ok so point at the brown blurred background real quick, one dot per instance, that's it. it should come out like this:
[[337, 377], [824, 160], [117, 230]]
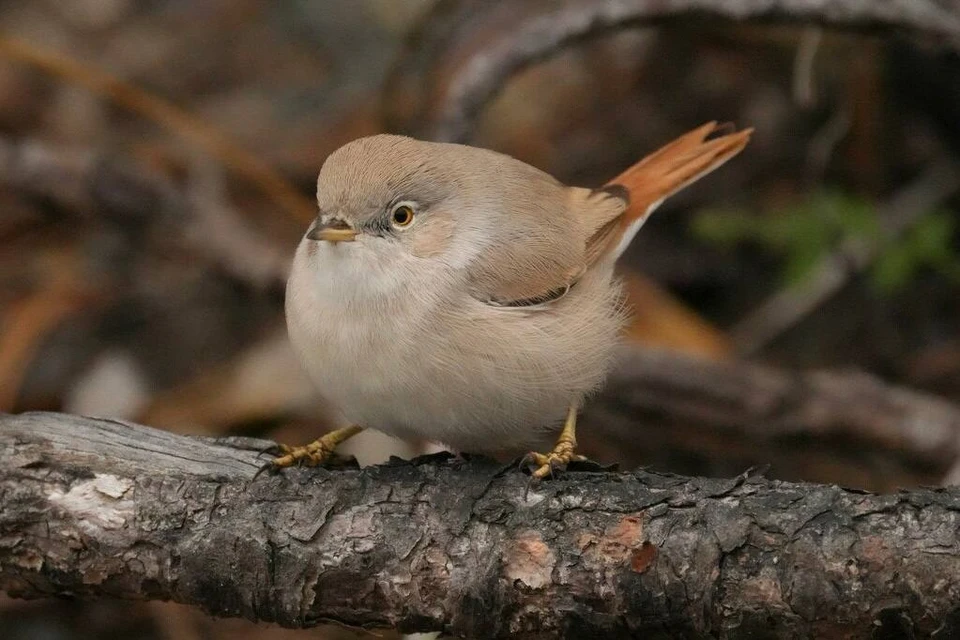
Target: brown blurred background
[[157, 162]]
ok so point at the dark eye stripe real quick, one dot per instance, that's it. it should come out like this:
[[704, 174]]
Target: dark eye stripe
[[378, 226]]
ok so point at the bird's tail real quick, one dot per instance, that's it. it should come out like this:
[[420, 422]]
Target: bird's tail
[[664, 172]]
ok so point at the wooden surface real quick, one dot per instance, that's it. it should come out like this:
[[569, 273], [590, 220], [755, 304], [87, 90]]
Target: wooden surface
[[97, 508]]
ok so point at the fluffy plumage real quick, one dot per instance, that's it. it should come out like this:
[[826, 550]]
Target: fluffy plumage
[[481, 322]]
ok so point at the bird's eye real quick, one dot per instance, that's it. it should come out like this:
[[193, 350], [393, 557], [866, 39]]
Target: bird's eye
[[402, 215]]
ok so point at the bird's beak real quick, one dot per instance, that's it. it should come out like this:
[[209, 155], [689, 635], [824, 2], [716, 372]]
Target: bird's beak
[[334, 230]]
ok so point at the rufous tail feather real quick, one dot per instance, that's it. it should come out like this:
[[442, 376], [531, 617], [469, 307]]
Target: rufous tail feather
[[661, 174]]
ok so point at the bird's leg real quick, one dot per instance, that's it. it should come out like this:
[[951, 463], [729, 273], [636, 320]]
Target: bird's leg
[[317, 452], [563, 452]]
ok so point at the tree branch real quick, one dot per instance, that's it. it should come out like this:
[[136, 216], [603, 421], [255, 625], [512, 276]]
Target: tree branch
[[106, 509], [790, 305], [465, 51], [663, 407], [145, 205]]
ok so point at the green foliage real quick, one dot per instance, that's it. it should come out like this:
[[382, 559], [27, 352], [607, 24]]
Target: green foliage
[[927, 245], [805, 233]]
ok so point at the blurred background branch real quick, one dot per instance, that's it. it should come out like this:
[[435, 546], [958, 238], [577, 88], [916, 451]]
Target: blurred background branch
[[164, 113], [465, 51], [788, 307]]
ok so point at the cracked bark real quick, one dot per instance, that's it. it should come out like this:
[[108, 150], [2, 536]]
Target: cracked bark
[[97, 508]]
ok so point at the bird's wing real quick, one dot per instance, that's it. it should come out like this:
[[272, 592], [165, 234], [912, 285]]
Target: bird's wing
[[557, 233], [543, 264], [597, 211], [530, 271], [536, 253], [657, 177]]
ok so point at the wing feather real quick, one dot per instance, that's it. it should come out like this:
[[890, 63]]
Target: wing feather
[[546, 256]]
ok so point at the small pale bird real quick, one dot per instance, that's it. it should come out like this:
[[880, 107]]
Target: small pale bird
[[459, 295]]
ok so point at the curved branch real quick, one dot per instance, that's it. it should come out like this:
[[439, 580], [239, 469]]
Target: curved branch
[[97, 508], [665, 408], [465, 51]]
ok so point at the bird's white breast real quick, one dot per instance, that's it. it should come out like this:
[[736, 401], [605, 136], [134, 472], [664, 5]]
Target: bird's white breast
[[397, 345]]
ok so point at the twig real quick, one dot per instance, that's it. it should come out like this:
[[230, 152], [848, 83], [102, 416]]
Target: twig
[[464, 52], [90, 182], [825, 141], [96, 508], [788, 307], [220, 228], [168, 115], [804, 89]]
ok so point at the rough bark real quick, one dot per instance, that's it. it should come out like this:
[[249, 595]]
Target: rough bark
[[465, 50], [96, 508]]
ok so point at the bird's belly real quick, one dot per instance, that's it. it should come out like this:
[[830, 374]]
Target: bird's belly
[[502, 394], [484, 380], [468, 405]]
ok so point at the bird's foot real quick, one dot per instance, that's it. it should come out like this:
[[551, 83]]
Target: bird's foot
[[542, 465], [316, 453]]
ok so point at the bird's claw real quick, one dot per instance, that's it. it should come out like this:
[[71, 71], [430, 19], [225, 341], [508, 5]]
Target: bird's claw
[[542, 465], [311, 455], [275, 449]]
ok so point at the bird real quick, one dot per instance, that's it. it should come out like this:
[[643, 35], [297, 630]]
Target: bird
[[455, 294]]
